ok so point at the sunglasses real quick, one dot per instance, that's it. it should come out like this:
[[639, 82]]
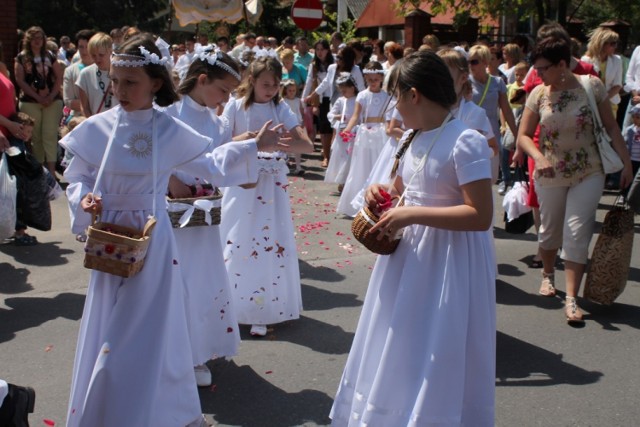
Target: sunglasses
[[474, 62], [339, 58], [543, 68]]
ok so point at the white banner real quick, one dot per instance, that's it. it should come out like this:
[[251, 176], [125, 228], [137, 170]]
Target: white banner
[[230, 11]]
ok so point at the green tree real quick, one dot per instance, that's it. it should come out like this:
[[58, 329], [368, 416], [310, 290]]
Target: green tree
[[60, 17]]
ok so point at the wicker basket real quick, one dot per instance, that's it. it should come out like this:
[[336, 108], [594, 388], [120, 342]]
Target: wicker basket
[[362, 223], [195, 209], [116, 249]]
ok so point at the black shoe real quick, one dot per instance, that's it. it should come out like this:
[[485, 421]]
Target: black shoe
[[17, 406]]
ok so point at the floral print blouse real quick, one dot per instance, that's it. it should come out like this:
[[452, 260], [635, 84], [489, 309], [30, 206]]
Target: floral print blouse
[[566, 132]]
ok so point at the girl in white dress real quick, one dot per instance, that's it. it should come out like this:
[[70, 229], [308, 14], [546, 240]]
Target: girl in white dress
[[381, 171], [468, 112], [424, 349], [370, 112], [339, 115], [257, 228], [290, 96], [211, 317], [133, 364]]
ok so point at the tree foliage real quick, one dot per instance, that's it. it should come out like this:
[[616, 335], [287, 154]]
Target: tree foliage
[[591, 12], [58, 17]]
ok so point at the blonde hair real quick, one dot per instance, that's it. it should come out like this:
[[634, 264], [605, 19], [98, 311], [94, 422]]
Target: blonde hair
[[286, 54], [481, 52], [264, 64], [598, 38], [432, 40], [457, 60], [521, 66], [514, 52], [100, 41], [454, 59], [287, 84]]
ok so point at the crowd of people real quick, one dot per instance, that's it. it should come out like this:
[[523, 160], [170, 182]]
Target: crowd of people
[[133, 124]]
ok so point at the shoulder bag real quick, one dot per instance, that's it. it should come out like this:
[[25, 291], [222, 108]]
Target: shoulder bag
[[611, 162]]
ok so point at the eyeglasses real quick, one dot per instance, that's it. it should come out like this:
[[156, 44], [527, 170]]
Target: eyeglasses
[[543, 68], [612, 43], [474, 61]]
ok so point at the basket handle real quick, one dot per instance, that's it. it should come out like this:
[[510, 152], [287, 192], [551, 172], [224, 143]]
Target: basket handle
[[95, 217], [148, 227]]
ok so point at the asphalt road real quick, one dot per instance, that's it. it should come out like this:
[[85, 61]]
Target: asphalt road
[[548, 374]]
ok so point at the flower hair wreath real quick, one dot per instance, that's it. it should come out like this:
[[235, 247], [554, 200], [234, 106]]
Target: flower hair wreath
[[365, 71], [214, 58], [344, 78], [145, 58]]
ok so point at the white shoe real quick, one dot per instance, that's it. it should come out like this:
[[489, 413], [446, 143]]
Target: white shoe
[[258, 330], [203, 375]]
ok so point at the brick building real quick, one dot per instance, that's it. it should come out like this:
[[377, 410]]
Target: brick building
[[8, 27]]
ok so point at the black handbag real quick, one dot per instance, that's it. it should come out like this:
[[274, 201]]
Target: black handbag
[[32, 200], [524, 222]]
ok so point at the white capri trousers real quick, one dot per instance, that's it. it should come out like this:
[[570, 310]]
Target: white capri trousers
[[567, 217]]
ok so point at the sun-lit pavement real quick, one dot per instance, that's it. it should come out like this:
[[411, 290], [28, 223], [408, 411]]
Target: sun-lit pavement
[[548, 374]]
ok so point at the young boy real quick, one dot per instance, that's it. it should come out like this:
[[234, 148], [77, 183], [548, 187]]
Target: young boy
[[21, 238], [632, 138], [27, 123]]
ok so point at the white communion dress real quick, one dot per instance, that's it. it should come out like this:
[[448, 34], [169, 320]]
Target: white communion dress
[[133, 364], [424, 349], [257, 228], [367, 147], [211, 316]]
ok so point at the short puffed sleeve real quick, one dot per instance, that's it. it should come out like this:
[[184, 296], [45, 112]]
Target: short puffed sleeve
[[598, 89], [472, 157], [533, 100]]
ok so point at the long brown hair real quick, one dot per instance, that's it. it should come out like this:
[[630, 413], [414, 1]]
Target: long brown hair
[[257, 67], [28, 38], [166, 95], [212, 72]]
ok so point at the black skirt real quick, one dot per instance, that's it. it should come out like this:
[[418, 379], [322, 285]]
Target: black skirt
[[324, 126]]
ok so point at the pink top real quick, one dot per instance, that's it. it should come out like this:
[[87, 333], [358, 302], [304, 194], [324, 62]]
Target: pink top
[[7, 104]]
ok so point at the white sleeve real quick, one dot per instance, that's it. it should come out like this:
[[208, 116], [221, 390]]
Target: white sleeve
[[633, 72], [286, 116], [230, 164], [68, 87], [307, 86], [358, 77], [617, 78], [325, 84], [81, 177], [336, 110], [472, 157]]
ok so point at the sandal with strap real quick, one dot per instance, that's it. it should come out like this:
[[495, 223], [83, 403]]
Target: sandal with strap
[[25, 240], [547, 286], [572, 311]]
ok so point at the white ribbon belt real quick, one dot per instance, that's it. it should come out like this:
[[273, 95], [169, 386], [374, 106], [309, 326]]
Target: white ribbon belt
[[201, 204]]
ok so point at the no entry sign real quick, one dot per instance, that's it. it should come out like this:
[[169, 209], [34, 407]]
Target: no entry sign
[[307, 14]]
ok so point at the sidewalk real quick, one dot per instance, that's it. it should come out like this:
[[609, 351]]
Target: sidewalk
[[548, 374]]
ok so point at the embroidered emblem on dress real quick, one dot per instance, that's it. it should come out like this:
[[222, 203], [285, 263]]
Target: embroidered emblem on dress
[[140, 145]]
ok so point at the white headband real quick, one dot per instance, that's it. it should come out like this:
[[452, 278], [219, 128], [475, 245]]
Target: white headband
[[129, 60], [345, 77], [373, 71], [214, 58]]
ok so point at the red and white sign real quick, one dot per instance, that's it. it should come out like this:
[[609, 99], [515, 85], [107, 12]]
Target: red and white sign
[[307, 14]]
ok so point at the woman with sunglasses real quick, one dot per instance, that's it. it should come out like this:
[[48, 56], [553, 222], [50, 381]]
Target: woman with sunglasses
[[345, 63], [567, 168], [601, 54], [490, 93]]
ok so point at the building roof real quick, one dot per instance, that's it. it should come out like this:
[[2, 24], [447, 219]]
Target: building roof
[[383, 13], [356, 7]]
